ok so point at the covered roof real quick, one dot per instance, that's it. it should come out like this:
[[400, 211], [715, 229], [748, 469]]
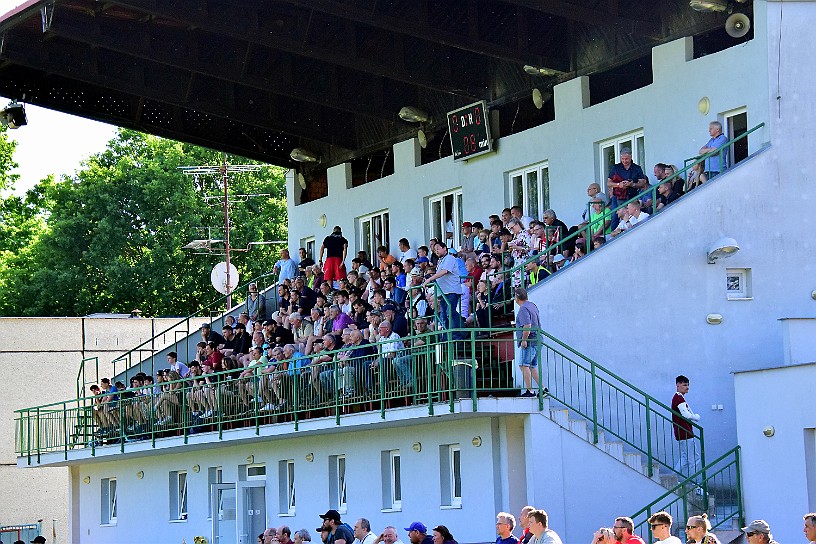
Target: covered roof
[[260, 77]]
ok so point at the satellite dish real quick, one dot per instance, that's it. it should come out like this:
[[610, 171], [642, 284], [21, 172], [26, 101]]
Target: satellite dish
[[218, 278], [737, 25], [301, 180], [422, 138]]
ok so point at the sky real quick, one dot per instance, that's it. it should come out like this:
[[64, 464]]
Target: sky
[[52, 142]]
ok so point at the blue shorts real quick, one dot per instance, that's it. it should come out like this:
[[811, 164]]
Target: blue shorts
[[528, 355]]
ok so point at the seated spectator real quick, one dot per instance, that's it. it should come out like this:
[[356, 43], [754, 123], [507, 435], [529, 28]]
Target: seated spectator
[[322, 367], [495, 235], [385, 259], [535, 272], [558, 262], [398, 271], [556, 230], [506, 215], [301, 330], [667, 195], [363, 256], [371, 332], [168, 402], [358, 268], [209, 335], [398, 322], [176, 365], [339, 320], [392, 292], [482, 242], [600, 219], [214, 359], [633, 216], [423, 263], [696, 176], [593, 191], [678, 183], [360, 313], [517, 213], [390, 346], [353, 364], [597, 242], [305, 260]]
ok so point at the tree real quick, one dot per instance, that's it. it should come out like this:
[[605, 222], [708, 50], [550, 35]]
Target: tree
[[114, 233]]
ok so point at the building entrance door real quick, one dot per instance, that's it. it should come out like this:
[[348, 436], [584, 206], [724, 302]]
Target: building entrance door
[[224, 527], [252, 509]]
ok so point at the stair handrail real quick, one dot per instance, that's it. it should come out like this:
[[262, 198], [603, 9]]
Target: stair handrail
[[698, 479], [585, 231], [81, 381]]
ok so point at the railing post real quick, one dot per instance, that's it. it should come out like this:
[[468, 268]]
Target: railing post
[[38, 436], [741, 513], [594, 402], [703, 480], [184, 420], [65, 429], [474, 362], [649, 469]]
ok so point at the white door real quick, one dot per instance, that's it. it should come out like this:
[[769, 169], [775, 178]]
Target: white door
[[224, 526], [252, 511]]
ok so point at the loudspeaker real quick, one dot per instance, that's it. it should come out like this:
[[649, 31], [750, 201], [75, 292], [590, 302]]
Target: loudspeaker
[[737, 25]]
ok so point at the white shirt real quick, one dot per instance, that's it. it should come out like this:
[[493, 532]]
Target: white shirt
[[394, 343], [409, 254], [670, 540], [369, 538]]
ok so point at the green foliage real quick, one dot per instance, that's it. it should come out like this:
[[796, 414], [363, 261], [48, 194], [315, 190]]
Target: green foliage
[[113, 234]]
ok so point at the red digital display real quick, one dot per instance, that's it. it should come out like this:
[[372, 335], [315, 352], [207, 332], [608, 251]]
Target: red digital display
[[469, 131]]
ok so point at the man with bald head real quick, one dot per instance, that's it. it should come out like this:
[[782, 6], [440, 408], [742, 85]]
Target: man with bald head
[[388, 536], [284, 534], [269, 535]]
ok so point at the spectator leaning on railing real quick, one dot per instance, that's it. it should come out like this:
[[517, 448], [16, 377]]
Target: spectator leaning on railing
[[713, 164]]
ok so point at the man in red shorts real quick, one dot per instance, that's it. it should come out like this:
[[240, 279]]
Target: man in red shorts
[[336, 247]]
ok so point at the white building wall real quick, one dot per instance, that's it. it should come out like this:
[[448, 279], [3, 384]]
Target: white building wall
[[779, 472], [666, 110], [546, 466]]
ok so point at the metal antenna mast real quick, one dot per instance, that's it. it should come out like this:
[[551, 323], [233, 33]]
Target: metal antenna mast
[[224, 169]]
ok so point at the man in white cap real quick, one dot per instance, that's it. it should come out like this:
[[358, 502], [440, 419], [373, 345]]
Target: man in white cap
[[759, 532]]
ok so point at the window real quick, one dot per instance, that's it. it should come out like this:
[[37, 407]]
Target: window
[[444, 213], [451, 475], [178, 495], [309, 245], [337, 483], [738, 284], [215, 475], [736, 124], [392, 480], [108, 501], [610, 151], [374, 233], [530, 189], [286, 488], [256, 472]]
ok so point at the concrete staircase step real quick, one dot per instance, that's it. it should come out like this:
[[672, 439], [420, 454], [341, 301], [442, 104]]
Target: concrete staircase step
[[615, 449], [634, 460], [655, 470], [560, 416], [579, 427], [669, 480]]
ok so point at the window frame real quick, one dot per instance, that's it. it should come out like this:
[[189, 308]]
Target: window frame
[[287, 489], [542, 182], [338, 492], [457, 214], [638, 147], [215, 476], [450, 476], [178, 494], [395, 470], [108, 499], [370, 246]]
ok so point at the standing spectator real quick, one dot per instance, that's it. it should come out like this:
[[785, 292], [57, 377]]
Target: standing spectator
[[405, 250], [417, 533], [255, 304], [660, 524], [718, 162], [286, 267], [517, 212], [505, 523], [683, 429], [305, 260], [301, 536], [362, 532], [284, 534], [556, 230], [593, 192], [521, 244], [538, 526], [698, 531], [336, 248], [338, 531], [524, 524], [624, 531], [468, 239], [385, 260], [810, 526], [622, 179], [528, 339], [269, 535], [759, 532], [447, 279]]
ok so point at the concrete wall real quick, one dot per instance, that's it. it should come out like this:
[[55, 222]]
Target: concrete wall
[[781, 398], [39, 361], [546, 466]]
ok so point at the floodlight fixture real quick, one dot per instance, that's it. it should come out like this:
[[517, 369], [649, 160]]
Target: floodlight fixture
[[725, 247], [709, 6], [300, 154], [413, 115], [13, 116]]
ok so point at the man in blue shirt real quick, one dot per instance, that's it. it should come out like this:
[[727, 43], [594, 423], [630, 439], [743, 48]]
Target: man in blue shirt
[[718, 162], [447, 280], [505, 523], [286, 267]]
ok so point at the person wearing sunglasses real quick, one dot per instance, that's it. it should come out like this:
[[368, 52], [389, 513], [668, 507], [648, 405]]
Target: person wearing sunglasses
[[698, 530], [660, 524], [759, 532]]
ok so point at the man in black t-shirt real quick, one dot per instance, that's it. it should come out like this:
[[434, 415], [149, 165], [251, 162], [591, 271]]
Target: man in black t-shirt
[[339, 533], [336, 248]]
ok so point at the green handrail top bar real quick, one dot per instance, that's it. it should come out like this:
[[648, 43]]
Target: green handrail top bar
[[653, 190], [677, 490], [182, 321]]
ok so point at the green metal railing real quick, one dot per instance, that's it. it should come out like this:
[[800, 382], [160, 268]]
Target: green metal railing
[[432, 368], [715, 489], [142, 358], [517, 274]]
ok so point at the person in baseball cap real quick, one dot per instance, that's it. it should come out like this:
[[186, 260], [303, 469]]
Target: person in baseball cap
[[339, 532], [38, 540], [759, 532], [417, 532]]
